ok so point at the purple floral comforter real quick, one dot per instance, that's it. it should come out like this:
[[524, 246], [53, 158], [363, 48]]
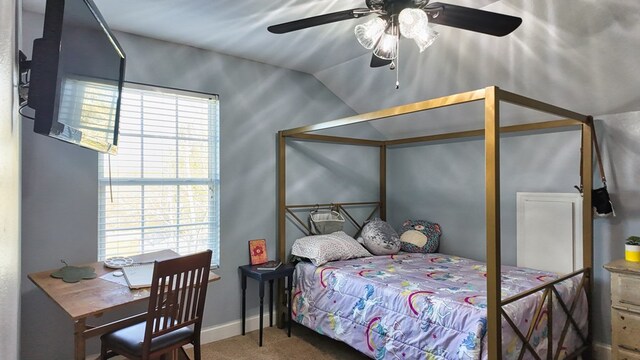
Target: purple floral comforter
[[425, 306]]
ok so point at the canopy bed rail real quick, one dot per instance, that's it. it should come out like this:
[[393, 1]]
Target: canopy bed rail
[[492, 97]]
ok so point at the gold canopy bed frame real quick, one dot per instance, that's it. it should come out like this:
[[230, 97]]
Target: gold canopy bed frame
[[492, 97]]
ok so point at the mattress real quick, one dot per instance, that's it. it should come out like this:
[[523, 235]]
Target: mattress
[[426, 306]]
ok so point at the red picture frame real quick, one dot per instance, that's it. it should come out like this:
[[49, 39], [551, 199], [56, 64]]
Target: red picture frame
[[258, 251]]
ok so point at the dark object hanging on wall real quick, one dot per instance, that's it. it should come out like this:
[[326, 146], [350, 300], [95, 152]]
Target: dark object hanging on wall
[[602, 206], [600, 200], [75, 78]]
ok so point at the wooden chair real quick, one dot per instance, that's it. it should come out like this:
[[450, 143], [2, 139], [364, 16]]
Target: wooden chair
[[174, 316]]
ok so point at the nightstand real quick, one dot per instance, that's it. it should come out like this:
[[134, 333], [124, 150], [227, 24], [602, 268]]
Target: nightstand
[[284, 270], [625, 309]]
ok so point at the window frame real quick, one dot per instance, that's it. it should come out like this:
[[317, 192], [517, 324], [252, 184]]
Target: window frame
[[212, 181]]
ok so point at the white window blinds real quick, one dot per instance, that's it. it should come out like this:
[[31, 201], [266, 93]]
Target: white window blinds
[[165, 178]]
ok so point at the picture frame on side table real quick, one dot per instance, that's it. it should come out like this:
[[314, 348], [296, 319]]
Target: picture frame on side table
[[258, 251]]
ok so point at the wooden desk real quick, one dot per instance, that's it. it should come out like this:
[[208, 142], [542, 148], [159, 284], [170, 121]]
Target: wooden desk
[[92, 298]]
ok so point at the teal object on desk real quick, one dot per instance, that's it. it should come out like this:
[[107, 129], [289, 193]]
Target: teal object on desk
[[73, 274]]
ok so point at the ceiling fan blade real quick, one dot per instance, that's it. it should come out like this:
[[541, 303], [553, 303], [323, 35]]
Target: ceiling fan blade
[[465, 18], [318, 20], [378, 62]]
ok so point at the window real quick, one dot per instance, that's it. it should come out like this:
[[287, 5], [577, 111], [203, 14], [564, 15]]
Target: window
[[161, 191]]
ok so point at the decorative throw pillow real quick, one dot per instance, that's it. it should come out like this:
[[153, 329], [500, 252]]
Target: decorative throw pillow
[[420, 236], [321, 249], [380, 238]]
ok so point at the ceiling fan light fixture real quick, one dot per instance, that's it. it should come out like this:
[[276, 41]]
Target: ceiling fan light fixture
[[412, 22], [425, 38], [387, 47], [370, 32]]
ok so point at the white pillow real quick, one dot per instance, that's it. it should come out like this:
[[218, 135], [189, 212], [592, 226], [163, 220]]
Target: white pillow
[[321, 249]]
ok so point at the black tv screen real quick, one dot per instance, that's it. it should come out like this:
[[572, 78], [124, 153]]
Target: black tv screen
[[77, 72]]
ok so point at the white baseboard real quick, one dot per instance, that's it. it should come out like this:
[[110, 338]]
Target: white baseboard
[[233, 328]]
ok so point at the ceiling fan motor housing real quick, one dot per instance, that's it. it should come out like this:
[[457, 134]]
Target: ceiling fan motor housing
[[393, 7]]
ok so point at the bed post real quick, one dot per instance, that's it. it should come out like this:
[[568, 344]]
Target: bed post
[[281, 244], [492, 214], [587, 216], [383, 182]]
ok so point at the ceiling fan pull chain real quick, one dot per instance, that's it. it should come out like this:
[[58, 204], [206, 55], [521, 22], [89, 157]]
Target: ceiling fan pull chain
[[396, 62]]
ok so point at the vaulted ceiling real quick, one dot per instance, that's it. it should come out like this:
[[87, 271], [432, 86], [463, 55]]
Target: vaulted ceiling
[[578, 54]]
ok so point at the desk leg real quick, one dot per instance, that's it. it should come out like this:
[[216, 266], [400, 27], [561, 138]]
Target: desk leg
[[261, 307], [244, 300], [289, 295], [270, 303], [78, 338]]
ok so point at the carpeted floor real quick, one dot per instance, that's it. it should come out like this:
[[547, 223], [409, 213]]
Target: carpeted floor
[[303, 344]]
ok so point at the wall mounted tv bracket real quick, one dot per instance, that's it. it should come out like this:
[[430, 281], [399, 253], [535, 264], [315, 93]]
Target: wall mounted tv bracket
[[24, 67]]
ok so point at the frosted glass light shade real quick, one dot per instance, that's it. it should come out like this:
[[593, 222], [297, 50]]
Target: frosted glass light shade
[[369, 32], [425, 38], [387, 47], [412, 22]]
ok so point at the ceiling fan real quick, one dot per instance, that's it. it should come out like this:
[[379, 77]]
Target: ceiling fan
[[409, 18]]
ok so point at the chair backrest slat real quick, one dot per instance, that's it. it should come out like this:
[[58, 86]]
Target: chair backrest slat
[[191, 297], [186, 279]]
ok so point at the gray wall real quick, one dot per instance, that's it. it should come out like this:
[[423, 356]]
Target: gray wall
[[9, 183], [620, 138], [444, 183], [60, 180]]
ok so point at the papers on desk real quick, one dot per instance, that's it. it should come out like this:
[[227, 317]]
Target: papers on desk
[[138, 276]]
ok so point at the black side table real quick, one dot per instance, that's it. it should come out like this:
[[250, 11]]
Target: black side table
[[284, 270]]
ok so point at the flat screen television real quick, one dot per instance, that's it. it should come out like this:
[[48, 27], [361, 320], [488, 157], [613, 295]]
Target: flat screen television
[[77, 72]]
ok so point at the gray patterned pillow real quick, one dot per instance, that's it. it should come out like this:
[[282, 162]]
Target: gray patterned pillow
[[380, 238], [321, 249]]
